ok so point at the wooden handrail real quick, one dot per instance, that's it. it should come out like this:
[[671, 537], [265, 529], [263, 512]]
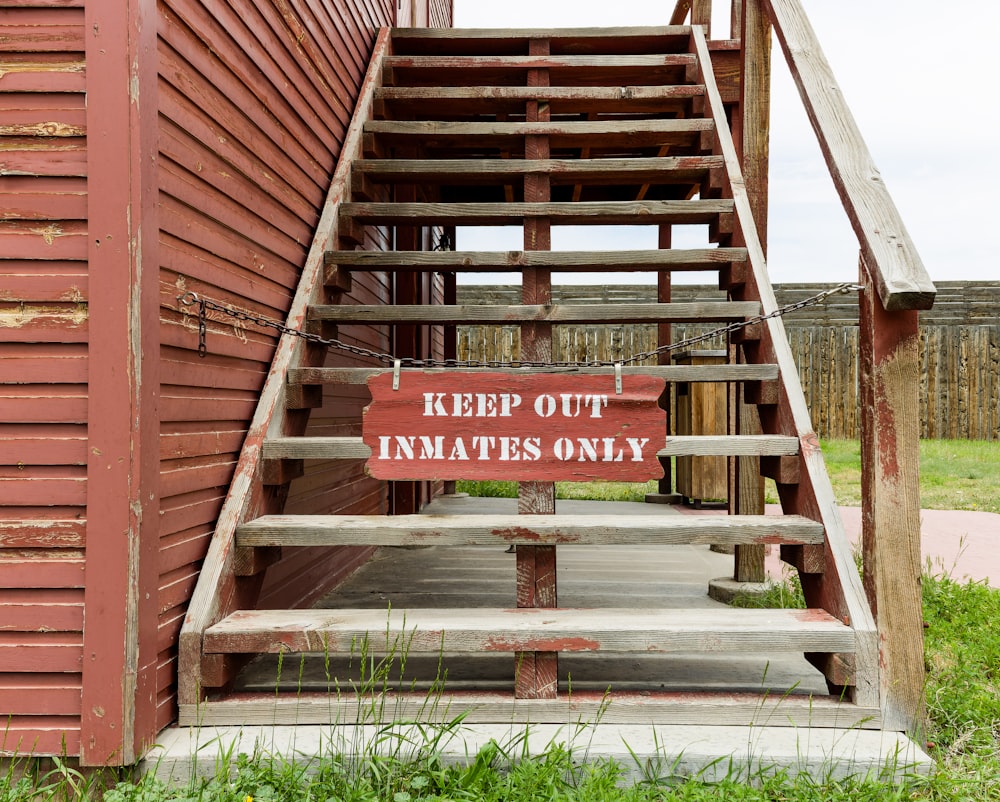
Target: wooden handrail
[[680, 12], [896, 268], [851, 603]]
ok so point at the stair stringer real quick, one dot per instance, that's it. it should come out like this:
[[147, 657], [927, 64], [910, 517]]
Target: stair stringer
[[231, 577], [838, 588]]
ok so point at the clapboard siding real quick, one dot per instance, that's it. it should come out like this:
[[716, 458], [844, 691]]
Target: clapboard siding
[[255, 99], [43, 372], [959, 345]]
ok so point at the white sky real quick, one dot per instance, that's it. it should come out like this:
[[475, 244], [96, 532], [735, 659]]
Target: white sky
[[919, 78]]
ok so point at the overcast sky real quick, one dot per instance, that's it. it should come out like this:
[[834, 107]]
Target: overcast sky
[[919, 77]]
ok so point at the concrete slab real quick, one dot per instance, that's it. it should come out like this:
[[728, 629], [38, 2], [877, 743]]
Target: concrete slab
[[664, 751]]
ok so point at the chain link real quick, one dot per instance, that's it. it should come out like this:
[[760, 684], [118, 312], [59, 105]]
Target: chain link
[[204, 305]]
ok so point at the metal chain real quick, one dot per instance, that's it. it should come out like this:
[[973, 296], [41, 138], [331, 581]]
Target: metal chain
[[191, 299]]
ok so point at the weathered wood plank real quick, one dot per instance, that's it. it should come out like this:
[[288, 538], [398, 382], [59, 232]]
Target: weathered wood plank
[[899, 274], [474, 37], [890, 499], [660, 170], [556, 261], [607, 63], [463, 100], [591, 313], [671, 373], [453, 530], [725, 445], [613, 630], [478, 707], [583, 213]]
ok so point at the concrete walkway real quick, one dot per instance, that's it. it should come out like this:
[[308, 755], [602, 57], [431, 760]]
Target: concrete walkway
[[961, 544]]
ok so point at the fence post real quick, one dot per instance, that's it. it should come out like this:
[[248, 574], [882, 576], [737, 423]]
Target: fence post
[[890, 501]]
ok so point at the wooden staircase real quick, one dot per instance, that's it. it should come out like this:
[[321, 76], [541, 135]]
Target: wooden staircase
[[536, 129]]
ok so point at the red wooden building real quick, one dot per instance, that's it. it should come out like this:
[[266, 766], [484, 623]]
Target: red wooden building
[[152, 148]]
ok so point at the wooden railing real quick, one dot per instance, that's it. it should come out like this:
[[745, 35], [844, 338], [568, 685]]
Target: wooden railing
[[896, 285], [226, 579]]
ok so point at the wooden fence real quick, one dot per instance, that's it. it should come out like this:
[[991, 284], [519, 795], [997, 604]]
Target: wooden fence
[[960, 349]]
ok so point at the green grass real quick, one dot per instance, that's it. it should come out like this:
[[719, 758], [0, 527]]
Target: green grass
[[954, 474]]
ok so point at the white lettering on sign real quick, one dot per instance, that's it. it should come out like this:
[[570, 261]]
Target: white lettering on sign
[[471, 405], [530, 427]]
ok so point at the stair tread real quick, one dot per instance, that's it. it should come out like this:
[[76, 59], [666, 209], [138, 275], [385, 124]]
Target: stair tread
[[628, 707], [574, 261], [579, 213], [699, 311], [671, 373], [687, 445], [595, 61], [426, 101], [463, 128], [397, 530], [560, 171], [469, 630]]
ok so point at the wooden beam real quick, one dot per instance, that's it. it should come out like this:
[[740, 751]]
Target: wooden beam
[[889, 360], [671, 373], [752, 130], [701, 311], [897, 270], [536, 673], [119, 686]]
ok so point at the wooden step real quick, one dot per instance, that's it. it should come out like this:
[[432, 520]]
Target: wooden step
[[427, 102], [464, 631], [671, 373], [763, 445], [563, 70], [556, 261], [665, 170], [621, 39], [583, 213], [646, 707], [465, 314], [532, 530], [561, 134]]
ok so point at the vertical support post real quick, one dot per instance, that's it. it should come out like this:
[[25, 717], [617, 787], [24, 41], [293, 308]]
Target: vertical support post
[[701, 14], [752, 130], [405, 497], [664, 334], [120, 599], [537, 673], [450, 345], [890, 501]]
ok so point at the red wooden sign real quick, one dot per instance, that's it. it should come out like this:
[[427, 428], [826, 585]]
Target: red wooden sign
[[535, 427]]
